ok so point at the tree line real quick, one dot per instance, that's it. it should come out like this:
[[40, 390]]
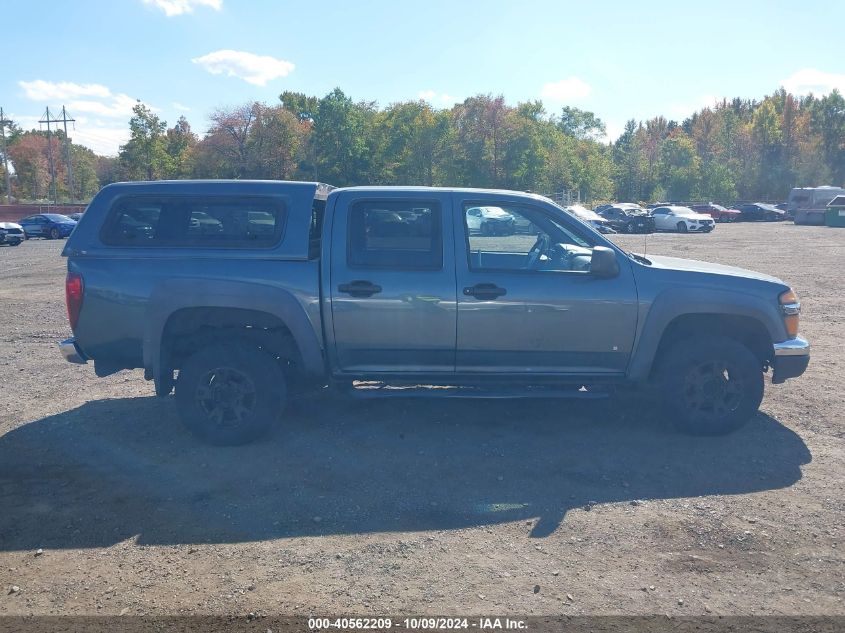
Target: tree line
[[734, 149]]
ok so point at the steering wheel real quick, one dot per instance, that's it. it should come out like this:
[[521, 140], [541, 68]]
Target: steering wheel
[[540, 247]]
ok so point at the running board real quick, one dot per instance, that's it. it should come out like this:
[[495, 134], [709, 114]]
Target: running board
[[367, 392]]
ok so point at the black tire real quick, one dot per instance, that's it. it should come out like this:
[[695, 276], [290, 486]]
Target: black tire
[[54, 233], [230, 394], [710, 386], [682, 227], [485, 228]]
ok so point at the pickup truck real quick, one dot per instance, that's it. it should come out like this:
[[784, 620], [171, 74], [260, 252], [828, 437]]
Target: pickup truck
[[241, 294]]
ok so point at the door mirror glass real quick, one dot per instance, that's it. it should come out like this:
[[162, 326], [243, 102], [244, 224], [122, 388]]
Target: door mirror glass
[[603, 262]]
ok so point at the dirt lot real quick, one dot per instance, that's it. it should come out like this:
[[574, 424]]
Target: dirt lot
[[422, 507]]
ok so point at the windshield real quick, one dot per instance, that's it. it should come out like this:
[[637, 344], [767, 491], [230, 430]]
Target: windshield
[[57, 217]]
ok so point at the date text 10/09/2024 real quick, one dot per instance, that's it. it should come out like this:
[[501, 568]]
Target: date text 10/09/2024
[[416, 624]]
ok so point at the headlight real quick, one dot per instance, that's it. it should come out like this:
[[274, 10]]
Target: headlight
[[790, 307]]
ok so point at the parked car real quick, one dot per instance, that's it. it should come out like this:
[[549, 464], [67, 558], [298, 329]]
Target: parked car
[[490, 221], [237, 323], [761, 212], [626, 217], [75, 216], [682, 220], [592, 218], [13, 233], [51, 226], [717, 212]]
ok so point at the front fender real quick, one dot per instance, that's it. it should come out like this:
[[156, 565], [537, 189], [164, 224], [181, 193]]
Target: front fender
[[675, 302]]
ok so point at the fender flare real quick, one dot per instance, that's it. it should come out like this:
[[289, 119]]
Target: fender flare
[[676, 302], [178, 294]]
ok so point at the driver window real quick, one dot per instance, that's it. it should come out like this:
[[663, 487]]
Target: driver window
[[517, 238]]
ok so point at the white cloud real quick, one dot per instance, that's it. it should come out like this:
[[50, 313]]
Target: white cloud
[[180, 7], [182, 108], [435, 98], [100, 101], [252, 68], [40, 90], [569, 89], [818, 82], [118, 106]]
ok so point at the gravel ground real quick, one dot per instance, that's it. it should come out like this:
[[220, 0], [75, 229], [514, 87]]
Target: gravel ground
[[108, 506]]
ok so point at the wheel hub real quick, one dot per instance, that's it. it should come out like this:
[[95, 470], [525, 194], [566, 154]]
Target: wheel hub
[[713, 389], [226, 395]]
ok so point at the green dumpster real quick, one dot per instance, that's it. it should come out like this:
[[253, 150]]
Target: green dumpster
[[835, 214]]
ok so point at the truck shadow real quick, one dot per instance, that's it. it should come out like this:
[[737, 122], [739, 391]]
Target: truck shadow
[[117, 469]]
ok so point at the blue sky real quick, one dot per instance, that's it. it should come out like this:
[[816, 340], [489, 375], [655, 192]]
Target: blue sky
[[619, 59]]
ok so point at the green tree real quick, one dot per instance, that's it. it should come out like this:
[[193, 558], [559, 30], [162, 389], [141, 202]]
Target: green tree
[[680, 166], [180, 142], [145, 154], [340, 136], [581, 124]]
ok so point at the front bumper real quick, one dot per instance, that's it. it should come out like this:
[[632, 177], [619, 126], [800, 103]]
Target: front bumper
[[791, 359], [70, 350], [702, 228]]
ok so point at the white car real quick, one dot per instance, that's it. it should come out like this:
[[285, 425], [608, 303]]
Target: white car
[[490, 221], [11, 233], [682, 220], [590, 217]]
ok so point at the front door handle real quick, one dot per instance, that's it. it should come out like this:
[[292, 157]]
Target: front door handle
[[485, 291], [359, 288]]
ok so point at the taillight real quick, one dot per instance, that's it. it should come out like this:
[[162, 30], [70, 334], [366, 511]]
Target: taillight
[[791, 308], [73, 297]]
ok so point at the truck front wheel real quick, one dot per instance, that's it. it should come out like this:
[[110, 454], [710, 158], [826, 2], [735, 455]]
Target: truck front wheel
[[710, 386], [230, 394]]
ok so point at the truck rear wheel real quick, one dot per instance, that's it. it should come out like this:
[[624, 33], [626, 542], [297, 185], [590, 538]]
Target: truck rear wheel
[[710, 386], [230, 394]]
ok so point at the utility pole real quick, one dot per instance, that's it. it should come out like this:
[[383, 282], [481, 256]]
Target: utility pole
[[48, 120], [68, 156], [3, 123]]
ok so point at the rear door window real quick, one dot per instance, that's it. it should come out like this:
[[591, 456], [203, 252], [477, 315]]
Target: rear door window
[[395, 234], [195, 221]]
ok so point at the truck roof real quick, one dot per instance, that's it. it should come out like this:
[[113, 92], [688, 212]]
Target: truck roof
[[410, 188], [321, 190]]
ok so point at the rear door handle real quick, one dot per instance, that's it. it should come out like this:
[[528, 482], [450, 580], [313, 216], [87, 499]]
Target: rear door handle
[[485, 291], [359, 288]]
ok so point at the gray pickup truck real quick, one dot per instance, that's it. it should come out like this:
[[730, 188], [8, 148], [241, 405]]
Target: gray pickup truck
[[242, 294]]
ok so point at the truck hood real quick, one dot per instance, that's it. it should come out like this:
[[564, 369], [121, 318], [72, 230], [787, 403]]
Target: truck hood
[[691, 265]]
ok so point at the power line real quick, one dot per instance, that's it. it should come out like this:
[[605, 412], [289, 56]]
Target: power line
[[3, 123]]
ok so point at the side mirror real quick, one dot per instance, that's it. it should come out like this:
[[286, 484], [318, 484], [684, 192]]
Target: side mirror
[[603, 262]]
